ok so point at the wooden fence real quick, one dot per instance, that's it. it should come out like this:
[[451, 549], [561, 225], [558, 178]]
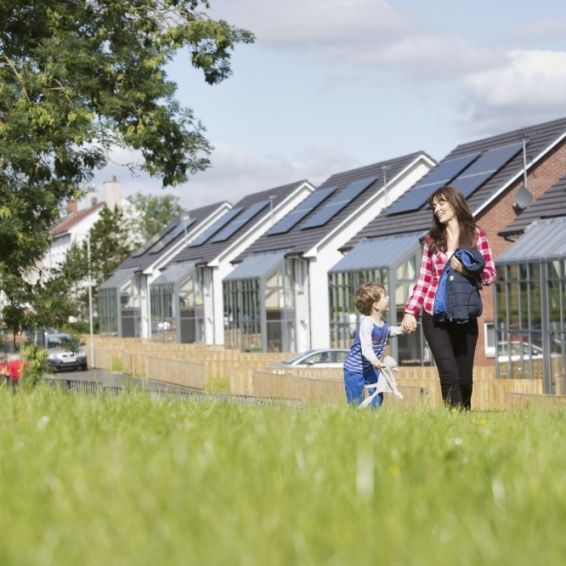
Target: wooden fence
[[526, 400], [194, 365], [420, 386]]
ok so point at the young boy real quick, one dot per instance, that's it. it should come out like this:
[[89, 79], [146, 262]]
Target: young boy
[[362, 365]]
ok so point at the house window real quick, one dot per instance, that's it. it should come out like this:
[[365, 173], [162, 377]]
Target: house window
[[489, 339]]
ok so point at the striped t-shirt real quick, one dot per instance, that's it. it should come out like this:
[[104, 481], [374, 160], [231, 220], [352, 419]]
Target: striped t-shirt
[[356, 362]]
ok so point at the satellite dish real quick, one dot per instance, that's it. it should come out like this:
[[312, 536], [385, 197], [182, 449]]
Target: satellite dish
[[523, 198]]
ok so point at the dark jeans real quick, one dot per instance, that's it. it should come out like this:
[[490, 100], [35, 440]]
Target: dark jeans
[[453, 347]]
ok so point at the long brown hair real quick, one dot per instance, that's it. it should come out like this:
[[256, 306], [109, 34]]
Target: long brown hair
[[437, 235]]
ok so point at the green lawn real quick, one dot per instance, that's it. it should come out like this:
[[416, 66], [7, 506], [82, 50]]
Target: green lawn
[[133, 480]]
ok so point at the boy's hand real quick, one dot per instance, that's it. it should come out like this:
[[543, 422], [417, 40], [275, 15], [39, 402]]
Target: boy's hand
[[409, 323]]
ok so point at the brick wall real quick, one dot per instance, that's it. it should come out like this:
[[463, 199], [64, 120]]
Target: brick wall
[[500, 213]]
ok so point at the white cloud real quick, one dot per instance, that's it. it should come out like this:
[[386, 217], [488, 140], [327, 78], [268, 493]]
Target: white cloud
[[436, 57], [302, 23], [530, 88], [486, 88], [367, 35], [234, 174], [496, 88]]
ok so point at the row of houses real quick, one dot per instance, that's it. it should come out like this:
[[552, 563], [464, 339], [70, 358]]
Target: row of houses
[[277, 270]]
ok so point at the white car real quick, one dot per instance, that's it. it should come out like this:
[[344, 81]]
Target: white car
[[517, 351], [321, 358], [520, 352], [64, 352]]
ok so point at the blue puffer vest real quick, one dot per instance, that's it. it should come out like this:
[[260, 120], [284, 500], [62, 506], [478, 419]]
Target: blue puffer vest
[[457, 297]]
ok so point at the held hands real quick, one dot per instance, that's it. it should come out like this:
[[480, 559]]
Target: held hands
[[409, 323], [387, 363]]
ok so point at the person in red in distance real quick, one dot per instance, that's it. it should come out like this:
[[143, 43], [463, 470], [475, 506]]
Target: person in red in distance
[[453, 344], [4, 368], [14, 368]]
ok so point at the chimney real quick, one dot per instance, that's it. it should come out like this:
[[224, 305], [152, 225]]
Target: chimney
[[111, 191], [72, 206], [90, 196]]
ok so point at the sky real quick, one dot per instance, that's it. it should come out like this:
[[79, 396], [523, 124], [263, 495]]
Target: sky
[[330, 85]]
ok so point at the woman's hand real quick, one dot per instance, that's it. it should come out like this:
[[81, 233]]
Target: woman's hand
[[458, 266], [409, 323]]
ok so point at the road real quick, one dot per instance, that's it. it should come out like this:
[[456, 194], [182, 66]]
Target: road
[[102, 381], [98, 380]]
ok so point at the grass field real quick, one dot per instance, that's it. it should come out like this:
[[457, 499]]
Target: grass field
[[90, 480]]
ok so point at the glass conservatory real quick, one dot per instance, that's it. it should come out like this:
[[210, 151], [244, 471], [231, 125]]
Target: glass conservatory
[[259, 307], [531, 306], [119, 304], [177, 307], [391, 261]]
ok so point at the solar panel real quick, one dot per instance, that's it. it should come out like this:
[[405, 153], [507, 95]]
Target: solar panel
[[238, 222], [440, 176], [339, 202], [298, 213], [153, 240], [218, 225], [176, 232], [485, 167]]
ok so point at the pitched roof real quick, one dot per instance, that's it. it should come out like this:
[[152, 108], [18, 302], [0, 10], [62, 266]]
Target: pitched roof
[[543, 240], [541, 138], [74, 218], [209, 250], [256, 266], [550, 204], [145, 259], [385, 252], [298, 240]]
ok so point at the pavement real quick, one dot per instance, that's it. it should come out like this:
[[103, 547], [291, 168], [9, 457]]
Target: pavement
[[97, 380], [101, 381]]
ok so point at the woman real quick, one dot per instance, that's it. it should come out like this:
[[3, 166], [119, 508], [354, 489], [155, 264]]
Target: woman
[[453, 345]]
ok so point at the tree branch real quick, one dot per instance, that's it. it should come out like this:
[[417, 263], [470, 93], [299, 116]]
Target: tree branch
[[18, 76]]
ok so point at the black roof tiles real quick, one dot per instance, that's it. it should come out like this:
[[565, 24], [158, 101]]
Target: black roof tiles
[[298, 241], [210, 250], [146, 259], [550, 204], [539, 139]]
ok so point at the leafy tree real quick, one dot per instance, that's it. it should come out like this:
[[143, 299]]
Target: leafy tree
[[155, 213], [79, 77], [55, 296], [111, 244], [53, 302], [62, 294], [51, 299], [17, 313]]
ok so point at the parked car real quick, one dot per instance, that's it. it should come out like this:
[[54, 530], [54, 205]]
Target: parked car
[[320, 358], [64, 351], [517, 351]]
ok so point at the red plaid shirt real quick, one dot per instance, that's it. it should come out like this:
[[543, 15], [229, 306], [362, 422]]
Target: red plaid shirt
[[432, 265]]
